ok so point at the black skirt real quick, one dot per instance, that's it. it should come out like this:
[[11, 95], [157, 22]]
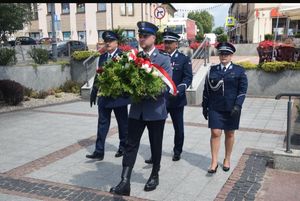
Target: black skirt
[[223, 120]]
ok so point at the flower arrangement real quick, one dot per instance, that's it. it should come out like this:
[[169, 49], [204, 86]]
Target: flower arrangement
[[194, 45], [132, 74]]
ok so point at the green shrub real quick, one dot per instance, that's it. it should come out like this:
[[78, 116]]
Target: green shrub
[[222, 38], [297, 35], [39, 95], [82, 55], [12, 92], [276, 66], [28, 91], [159, 38], [247, 65], [39, 55], [199, 37], [71, 86], [7, 56], [269, 37]]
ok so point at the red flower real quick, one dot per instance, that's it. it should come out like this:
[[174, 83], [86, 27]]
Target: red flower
[[139, 61], [160, 46], [100, 70], [194, 45], [125, 48], [266, 43]]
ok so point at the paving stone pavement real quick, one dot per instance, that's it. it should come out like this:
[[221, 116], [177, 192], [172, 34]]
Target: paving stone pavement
[[48, 145]]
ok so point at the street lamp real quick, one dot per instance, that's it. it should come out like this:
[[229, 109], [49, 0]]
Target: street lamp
[[54, 44]]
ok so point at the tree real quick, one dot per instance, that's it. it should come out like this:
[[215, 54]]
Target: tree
[[13, 17], [218, 30], [120, 32], [203, 19]]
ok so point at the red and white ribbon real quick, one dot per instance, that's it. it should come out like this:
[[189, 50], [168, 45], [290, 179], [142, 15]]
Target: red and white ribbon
[[155, 69]]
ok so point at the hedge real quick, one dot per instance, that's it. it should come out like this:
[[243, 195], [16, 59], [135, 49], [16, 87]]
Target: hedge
[[274, 66], [82, 55]]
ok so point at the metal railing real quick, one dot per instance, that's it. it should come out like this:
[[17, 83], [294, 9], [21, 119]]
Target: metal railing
[[202, 51], [86, 69], [289, 116]]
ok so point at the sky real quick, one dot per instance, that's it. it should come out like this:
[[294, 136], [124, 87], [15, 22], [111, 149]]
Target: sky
[[220, 12]]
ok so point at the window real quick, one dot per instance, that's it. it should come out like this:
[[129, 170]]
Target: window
[[34, 10], [129, 33], [49, 8], [66, 35], [81, 36], [130, 8], [80, 8], [100, 32], [123, 9], [101, 7], [65, 8], [34, 35], [50, 34]]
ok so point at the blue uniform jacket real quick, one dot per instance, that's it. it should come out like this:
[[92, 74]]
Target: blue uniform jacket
[[231, 92], [109, 102], [182, 77], [150, 109]]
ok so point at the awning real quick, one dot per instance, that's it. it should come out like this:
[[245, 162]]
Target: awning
[[292, 12]]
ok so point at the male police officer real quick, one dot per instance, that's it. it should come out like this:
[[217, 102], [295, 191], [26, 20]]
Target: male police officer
[[148, 113], [107, 104], [223, 96], [182, 77]]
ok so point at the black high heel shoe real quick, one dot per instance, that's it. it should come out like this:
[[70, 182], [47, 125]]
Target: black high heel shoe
[[225, 169], [212, 171]]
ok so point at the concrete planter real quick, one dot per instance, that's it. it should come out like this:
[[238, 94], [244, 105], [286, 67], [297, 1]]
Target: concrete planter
[[78, 70], [43, 77], [262, 83]]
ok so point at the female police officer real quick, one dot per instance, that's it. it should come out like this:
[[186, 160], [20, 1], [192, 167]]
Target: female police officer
[[224, 93]]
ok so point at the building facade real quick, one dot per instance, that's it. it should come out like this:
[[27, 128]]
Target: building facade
[[87, 21], [254, 20]]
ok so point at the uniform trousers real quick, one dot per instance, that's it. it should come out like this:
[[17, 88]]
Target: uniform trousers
[[177, 120], [104, 116], [136, 128]]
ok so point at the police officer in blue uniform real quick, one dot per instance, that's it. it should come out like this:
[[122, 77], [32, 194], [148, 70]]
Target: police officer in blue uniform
[[182, 77], [148, 113], [224, 92], [107, 104]]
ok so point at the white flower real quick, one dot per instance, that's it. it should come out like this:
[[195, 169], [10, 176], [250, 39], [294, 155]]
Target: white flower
[[155, 73]]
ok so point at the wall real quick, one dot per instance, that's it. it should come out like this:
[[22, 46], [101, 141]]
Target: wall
[[78, 70], [261, 83], [44, 77]]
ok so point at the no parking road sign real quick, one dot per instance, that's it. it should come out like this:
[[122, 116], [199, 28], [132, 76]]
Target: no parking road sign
[[159, 12]]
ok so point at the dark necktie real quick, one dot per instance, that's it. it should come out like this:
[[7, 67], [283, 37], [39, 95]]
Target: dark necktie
[[224, 69]]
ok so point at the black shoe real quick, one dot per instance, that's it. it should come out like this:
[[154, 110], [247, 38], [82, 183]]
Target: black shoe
[[212, 171], [119, 153], [123, 188], [95, 155], [176, 157], [152, 182], [226, 169], [149, 161]]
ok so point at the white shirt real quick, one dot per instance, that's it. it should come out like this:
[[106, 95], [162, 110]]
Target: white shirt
[[173, 53], [150, 52], [110, 55], [226, 67]]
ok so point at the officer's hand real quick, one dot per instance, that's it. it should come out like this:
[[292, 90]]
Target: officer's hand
[[235, 110], [93, 97], [205, 113], [181, 90]]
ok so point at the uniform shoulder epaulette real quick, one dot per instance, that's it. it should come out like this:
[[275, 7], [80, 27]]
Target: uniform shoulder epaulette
[[163, 52]]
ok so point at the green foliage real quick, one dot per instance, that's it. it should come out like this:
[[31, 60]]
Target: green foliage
[[126, 78], [269, 37], [70, 86], [82, 55], [159, 37], [297, 35], [63, 64], [247, 65], [218, 30], [7, 56], [120, 32], [13, 17], [203, 18], [222, 38], [39, 55], [199, 37], [39, 95], [12, 92]]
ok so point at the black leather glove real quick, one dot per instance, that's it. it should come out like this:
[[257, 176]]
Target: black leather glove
[[93, 96], [205, 113], [235, 111]]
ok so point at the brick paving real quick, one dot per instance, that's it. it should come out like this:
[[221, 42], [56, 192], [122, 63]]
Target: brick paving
[[67, 169]]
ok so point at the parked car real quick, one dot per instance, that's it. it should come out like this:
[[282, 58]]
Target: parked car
[[22, 40], [132, 42], [63, 48], [47, 41]]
